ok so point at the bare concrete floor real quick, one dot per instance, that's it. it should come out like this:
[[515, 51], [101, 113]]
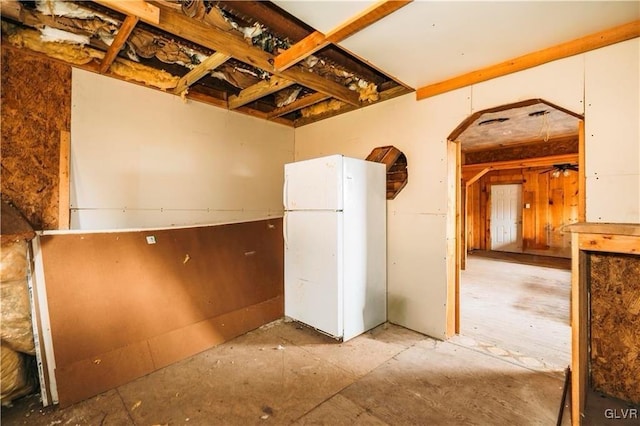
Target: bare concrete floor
[[284, 373]]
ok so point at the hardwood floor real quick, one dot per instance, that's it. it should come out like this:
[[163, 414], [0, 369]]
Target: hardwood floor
[[519, 312], [526, 259]]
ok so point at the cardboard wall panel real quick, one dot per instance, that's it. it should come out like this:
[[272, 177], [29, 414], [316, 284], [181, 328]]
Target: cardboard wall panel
[[120, 307]]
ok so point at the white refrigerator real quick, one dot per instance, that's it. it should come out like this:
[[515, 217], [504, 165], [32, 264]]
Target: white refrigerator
[[335, 262]]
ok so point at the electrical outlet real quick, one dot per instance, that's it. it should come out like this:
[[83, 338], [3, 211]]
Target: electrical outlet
[[151, 239]]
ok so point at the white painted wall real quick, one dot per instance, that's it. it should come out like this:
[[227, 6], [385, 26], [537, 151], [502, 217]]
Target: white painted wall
[[141, 158], [612, 133], [607, 78], [416, 219]]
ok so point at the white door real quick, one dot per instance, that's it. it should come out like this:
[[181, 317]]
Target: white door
[[313, 269], [314, 184], [506, 217]]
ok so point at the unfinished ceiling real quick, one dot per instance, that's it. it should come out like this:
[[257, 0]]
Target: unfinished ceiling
[[527, 122], [287, 61], [229, 54]]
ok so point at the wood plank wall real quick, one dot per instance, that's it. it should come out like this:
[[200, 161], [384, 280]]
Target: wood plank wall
[[553, 204], [121, 308]]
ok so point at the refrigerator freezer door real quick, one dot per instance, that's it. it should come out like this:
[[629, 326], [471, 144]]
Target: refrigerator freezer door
[[365, 273], [314, 184], [313, 269]]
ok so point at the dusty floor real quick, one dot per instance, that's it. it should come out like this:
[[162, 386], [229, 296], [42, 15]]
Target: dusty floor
[[284, 373], [505, 369], [517, 311]]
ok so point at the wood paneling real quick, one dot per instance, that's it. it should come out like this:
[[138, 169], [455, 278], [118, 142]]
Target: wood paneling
[[530, 150], [553, 204], [120, 307]]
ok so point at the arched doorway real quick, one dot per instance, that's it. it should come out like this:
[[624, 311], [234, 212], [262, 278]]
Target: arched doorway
[[516, 176]]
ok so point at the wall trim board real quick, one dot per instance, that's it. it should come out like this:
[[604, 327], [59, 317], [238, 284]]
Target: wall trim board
[[139, 306], [48, 384], [152, 229]]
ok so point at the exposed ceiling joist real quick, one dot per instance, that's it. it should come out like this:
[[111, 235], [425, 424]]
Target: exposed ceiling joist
[[560, 51], [120, 39], [212, 62], [210, 100], [365, 18], [11, 8], [180, 43], [298, 104], [384, 96], [140, 8], [259, 90], [305, 47], [232, 45], [297, 32], [316, 40]]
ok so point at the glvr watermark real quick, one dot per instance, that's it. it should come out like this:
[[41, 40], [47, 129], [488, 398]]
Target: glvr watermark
[[621, 413]]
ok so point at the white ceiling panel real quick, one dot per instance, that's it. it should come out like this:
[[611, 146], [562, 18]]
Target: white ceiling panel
[[429, 41], [324, 15]]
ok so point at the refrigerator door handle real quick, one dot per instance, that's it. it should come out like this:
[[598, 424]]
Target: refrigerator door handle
[[284, 192], [284, 230]]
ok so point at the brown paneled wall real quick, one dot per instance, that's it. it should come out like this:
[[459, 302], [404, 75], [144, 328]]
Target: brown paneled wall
[[121, 308], [553, 204]]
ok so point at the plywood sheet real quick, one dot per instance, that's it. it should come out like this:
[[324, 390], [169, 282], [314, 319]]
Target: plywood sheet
[[121, 307], [36, 107], [615, 321], [14, 226]]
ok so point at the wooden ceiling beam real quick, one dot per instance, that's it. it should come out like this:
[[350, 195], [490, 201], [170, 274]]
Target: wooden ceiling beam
[[305, 47], [521, 164], [259, 90], [316, 40], [560, 51], [298, 104], [212, 62], [475, 176], [221, 41], [286, 27], [120, 39], [273, 18], [367, 17], [140, 8], [384, 96], [11, 9], [210, 100]]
